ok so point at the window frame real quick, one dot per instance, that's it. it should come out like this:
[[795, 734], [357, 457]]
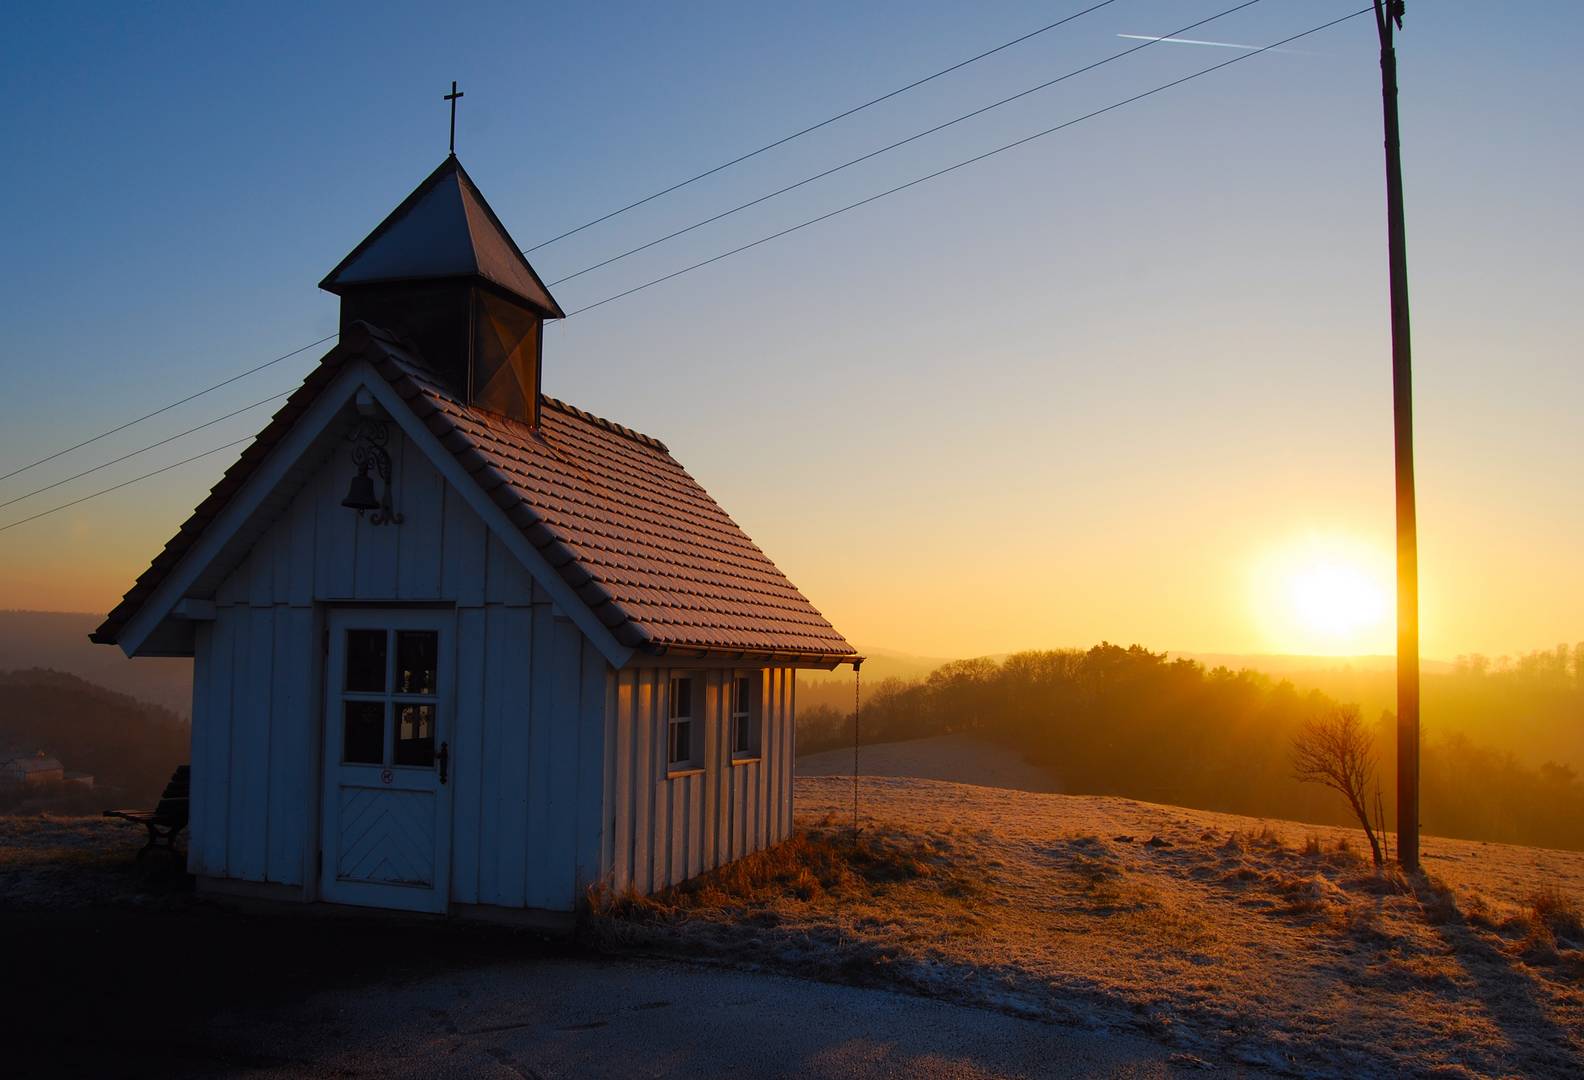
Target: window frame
[[750, 718], [693, 763], [389, 698]]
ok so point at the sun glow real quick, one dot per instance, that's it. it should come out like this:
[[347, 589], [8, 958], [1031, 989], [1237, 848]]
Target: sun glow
[[1325, 596]]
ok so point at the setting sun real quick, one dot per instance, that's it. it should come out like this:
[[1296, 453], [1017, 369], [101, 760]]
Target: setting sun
[[1336, 599], [1325, 595]]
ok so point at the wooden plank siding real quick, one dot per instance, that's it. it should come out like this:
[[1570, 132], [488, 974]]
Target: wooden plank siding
[[667, 828], [558, 767], [528, 745]]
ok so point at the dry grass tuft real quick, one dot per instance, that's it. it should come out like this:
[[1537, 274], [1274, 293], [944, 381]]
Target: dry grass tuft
[[1361, 922], [1538, 932], [1265, 837], [817, 861], [1094, 871], [1311, 895], [1560, 912], [1539, 945], [1438, 902], [1386, 880]]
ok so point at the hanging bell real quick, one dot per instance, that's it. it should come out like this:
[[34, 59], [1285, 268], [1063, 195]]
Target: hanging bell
[[360, 496]]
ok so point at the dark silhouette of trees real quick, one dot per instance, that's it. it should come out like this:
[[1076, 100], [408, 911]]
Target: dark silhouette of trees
[[129, 747], [1127, 721]]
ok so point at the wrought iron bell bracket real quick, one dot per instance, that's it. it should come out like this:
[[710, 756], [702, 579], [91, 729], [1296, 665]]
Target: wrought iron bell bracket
[[369, 438]]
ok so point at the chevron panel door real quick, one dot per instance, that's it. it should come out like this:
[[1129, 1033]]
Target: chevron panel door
[[386, 829]]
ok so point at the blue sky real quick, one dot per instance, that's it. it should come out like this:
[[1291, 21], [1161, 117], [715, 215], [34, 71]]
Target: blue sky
[[1071, 392]]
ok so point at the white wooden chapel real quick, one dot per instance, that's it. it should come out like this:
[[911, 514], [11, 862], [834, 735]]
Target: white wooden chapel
[[459, 645]]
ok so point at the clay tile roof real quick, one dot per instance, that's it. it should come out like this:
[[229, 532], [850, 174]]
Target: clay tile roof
[[651, 553]]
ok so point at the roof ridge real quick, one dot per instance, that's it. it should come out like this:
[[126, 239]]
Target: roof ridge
[[651, 566], [608, 425]]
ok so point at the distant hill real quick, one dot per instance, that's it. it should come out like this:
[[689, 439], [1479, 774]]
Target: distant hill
[[58, 640], [129, 746], [1368, 680], [835, 688], [1289, 664]]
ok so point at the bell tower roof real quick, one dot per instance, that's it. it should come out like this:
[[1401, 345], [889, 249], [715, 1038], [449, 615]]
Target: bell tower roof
[[444, 229]]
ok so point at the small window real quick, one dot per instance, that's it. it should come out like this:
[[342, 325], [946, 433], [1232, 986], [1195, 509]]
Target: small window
[[679, 724], [745, 717]]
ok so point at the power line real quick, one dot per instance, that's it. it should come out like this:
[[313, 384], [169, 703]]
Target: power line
[[961, 164], [815, 127], [167, 408], [125, 483], [724, 255], [142, 449], [614, 213], [900, 142]]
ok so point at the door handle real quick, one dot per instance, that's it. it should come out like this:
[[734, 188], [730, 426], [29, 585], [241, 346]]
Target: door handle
[[445, 759]]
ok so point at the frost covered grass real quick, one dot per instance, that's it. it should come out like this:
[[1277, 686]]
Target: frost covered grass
[[1560, 912], [50, 861], [1234, 940], [819, 860], [1231, 940]]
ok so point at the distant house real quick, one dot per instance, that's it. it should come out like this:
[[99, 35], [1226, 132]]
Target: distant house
[[79, 779], [459, 645], [36, 768]]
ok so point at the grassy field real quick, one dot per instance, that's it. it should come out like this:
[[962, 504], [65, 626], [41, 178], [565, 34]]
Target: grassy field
[[1231, 939]]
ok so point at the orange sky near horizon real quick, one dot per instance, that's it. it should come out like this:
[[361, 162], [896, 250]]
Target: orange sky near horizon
[[1130, 382], [1216, 590]]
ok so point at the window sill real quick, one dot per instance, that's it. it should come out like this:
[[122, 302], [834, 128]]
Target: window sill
[[745, 759], [678, 774]]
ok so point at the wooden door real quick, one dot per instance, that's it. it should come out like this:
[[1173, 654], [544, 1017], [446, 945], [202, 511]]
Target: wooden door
[[386, 821]]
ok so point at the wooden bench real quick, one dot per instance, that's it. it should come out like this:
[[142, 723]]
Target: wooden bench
[[167, 819]]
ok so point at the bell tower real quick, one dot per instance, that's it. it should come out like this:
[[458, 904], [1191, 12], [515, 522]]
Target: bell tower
[[443, 272]]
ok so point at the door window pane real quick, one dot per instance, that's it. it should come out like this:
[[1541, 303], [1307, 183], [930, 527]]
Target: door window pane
[[416, 654], [415, 732], [365, 661], [363, 733]]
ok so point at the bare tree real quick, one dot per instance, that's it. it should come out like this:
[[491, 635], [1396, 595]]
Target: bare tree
[[1336, 750]]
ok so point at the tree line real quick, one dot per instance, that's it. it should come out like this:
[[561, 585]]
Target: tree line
[[130, 747], [1131, 722]]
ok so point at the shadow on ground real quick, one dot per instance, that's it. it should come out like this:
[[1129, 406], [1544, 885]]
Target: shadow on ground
[[99, 988]]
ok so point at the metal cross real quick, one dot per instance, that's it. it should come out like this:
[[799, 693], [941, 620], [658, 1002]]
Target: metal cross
[[452, 98]]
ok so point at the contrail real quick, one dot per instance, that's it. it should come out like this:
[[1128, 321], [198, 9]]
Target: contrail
[[1196, 41]]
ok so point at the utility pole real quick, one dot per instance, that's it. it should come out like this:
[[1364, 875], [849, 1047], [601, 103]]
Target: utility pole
[[1388, 17]]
